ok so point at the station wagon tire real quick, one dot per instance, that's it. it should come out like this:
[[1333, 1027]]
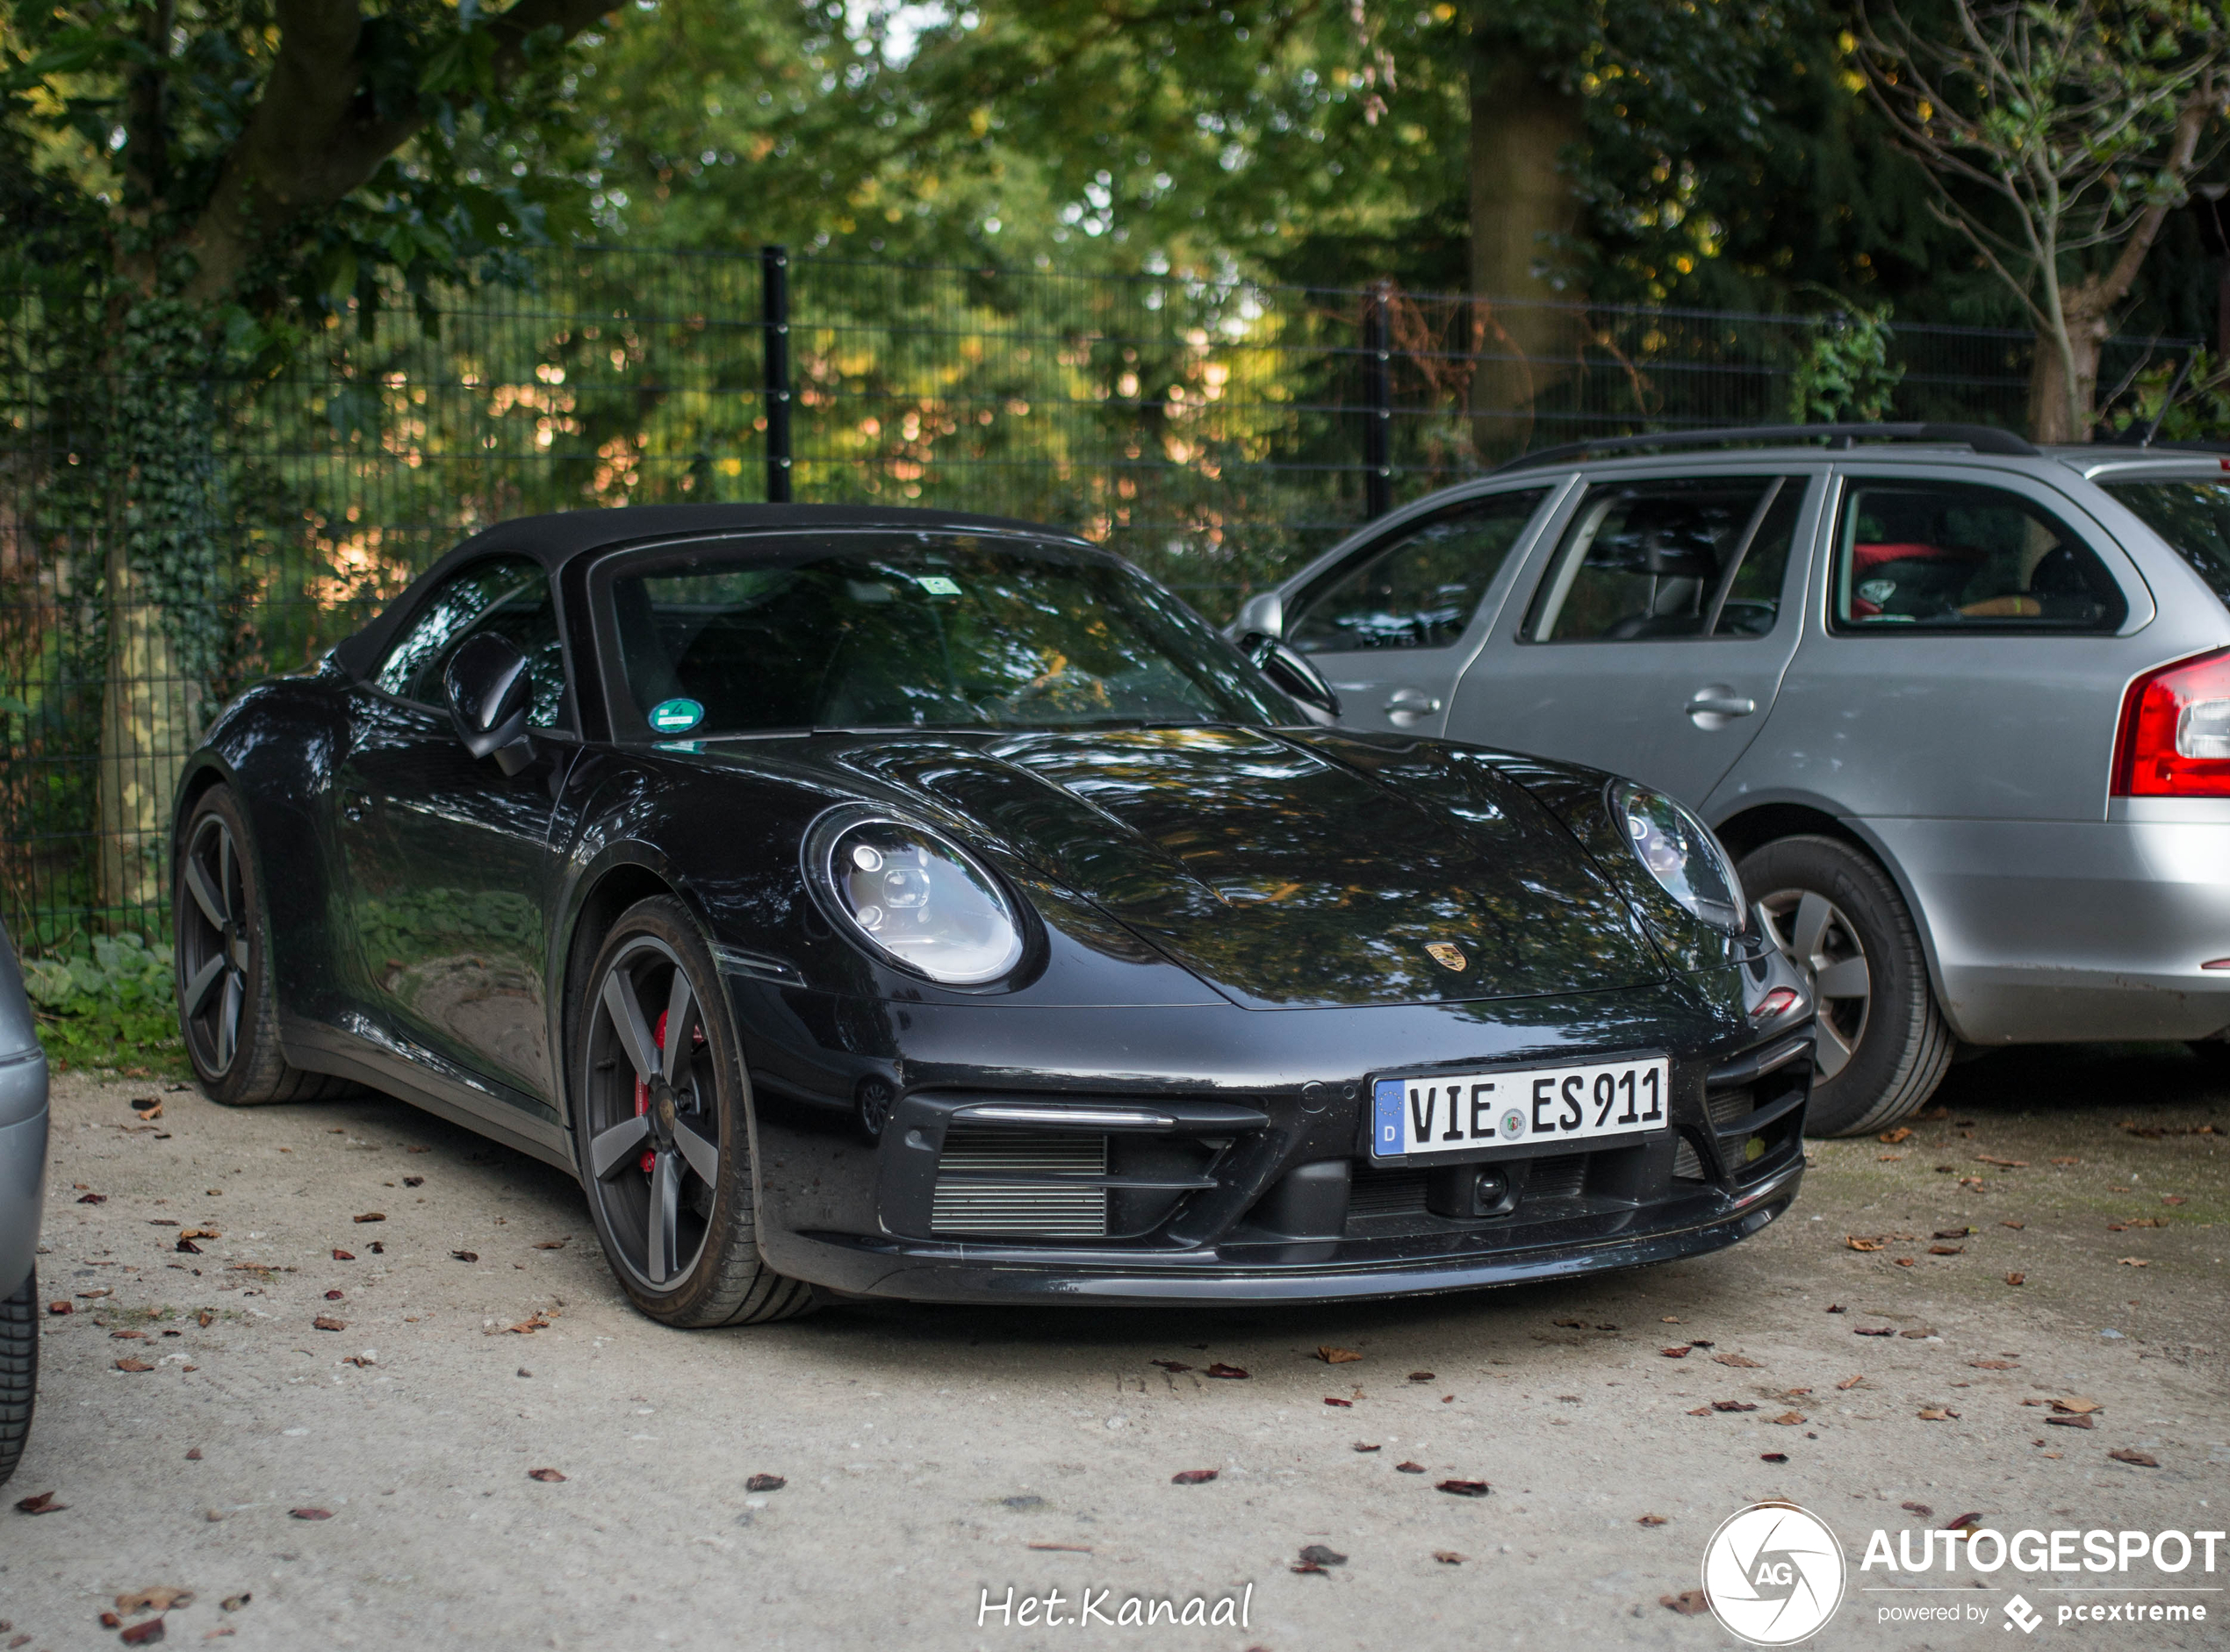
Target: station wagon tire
[[227, 1011], [19, 1371], [1883, 1046], [663, 1124]]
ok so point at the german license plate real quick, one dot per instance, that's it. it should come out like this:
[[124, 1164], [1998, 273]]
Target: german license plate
[[1446, 1113]]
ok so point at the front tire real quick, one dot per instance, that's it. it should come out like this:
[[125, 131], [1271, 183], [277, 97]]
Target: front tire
[[1883, 1046], [18, 1372], [228, 1010], [663, 1127]]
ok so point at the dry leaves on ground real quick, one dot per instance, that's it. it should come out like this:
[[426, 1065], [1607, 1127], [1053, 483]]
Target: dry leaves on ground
[[372, 1216], [311, 1514], [1409, 1467], [1316, 1557], [2135, 1262], [2017, 1279], [1192, 1476], [1917, 1332], [548, 1477], [1420, 1376], [1329, 1400], [1874, 1331], [1852, 1381], [1946, 1250], [1858, 1243], [1337, 1356], [1991, 1365], [1790, 1419], [466, 1256], [1649, 1519], [1365, 1445], [1229, 1373], [1681, 1353], [1921, 1509], [2142, 1460], [550, 1245], [128, 1363], [42, 1503], [1732, 1405], [1903, 1132], [1465, 1488], [1739, 1360], [2003, 1164], [1689, 1603], [143, 1634], [1773, 1456], [1962, 1522], [159, 1598], [1449, 1557], [326, 1322], [1937, 1414], [765, 1482]]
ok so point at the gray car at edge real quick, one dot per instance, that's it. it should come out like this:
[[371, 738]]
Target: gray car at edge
[[1960, 705], [22, 1195]]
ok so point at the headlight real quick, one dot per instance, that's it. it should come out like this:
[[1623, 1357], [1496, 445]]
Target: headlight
[[1681, 854], [917, 899]]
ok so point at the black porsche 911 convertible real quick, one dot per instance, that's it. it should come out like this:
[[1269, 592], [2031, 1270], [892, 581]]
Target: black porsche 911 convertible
[[870, 902]]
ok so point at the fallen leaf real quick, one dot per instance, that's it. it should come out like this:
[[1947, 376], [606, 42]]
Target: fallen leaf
[[2017, 1279], [2135, 1262], [108, 1620], [1732, 1405], [1795, 1393], [234, 1602], [548, 1477], [466, 1256], [130, 1364], [2143, 1460], [1917, 1333], [143, 1634], [1937, 1414], [201, 1233], [1649, 1519], [1689, 1603], [2077, 1405], [326, 1322], [1329, 1400], [1788, 1419], [1962, 1522], [1773, 1456], [1337, 1356], [92, 1198], [64, 1306], [2174, 1198], [2003, 1164], [194, 1455], [1229, 1373], [1852, 1381], [765, 1482], [1974, 1182], [362, 1361], [1420, 1376], [373, 1215], [127, 1336], [1921, 1509], [42, 1504], [1570, 1324], [1360, 1445], [414, 1181], [2016, 1227], [1858, 1243], [1892, 1137], [1464, 1488], [1874, 1331], [157, 1599], [2066, 1160], [1318, 1554], [1192, 1476], [1449, 1557], [1669, 1320], [1409, 1467], [311, 1514], [1681, 1353], [378, 1248], [1906, 1261], [1834, 1307], [1737, 1360], [1991, 1365], [559, 1245]]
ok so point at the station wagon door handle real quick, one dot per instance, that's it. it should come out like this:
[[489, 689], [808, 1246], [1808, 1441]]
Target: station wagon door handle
[[1408, 705], [1716, 702]]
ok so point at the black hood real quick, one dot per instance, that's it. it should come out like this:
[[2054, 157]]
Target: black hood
[[1289, 870]]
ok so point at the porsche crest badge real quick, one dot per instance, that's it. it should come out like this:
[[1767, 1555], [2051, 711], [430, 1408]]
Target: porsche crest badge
[[1448, 954]]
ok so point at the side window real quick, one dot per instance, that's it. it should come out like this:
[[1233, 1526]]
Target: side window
[[1945, 556], [1645, 561], [508, 595], [1421, 591]]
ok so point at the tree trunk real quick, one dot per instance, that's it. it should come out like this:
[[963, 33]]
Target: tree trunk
[[150, 715], [1520, 121], [2058, 412]]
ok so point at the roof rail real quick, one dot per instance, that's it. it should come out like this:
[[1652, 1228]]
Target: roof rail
[[1980, 438]]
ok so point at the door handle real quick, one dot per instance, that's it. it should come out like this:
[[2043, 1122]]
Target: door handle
[[1715, 700], [1411, 705]]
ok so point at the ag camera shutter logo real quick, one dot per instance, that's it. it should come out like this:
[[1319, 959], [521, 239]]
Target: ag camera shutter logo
[[1773, 1574]]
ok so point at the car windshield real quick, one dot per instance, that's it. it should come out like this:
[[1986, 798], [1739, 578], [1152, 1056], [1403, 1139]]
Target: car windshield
[[914, 630], [2194, 517]]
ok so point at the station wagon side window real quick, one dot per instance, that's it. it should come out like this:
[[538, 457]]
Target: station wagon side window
[[1927, 555], [1420, 590], [508, 595], [1653, 560]]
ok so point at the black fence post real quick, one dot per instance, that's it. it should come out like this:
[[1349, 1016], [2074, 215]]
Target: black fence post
[[1377, 398], [774, 308]]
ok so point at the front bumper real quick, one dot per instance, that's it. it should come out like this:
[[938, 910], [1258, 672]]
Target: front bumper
[[1209, 1153]]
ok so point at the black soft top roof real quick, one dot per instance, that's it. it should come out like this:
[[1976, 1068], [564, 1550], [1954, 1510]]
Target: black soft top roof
[[556, 539]]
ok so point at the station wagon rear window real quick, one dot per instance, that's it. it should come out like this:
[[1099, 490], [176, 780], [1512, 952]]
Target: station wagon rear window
[[2194, 517], [1922, 556]]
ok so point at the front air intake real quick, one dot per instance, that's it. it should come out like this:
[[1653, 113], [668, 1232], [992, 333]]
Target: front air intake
[[1007, 1184]]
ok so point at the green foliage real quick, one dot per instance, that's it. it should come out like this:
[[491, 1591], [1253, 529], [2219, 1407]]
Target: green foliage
[[1845, 374], [2199, 412], [109, 1002]]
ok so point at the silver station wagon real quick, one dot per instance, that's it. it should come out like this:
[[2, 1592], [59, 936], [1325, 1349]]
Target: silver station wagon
[[1960, 705]]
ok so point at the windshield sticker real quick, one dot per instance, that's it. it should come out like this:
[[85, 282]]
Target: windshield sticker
[[676, 716], [936, 585]]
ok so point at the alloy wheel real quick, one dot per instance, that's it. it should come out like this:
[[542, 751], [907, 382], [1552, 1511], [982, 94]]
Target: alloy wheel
[[1813, 933], [653, 1115], [212, 946]]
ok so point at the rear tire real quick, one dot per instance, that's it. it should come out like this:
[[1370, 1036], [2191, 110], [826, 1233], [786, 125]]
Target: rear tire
[[662, 1116], [1883, 1046], [18, 1372], [228, 1010]]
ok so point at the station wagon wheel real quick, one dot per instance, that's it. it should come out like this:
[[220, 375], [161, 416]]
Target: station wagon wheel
[[228, 1010], [1835, 915], [665, 1142]]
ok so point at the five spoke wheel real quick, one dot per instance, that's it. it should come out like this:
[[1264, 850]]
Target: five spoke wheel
[[654, 1128], [213, 945], [1814, 933]]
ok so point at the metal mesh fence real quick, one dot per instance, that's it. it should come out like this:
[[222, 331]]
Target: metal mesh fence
[[165, 540]]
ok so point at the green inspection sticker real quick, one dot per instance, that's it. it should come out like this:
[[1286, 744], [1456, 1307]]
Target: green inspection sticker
[[936, 585], [676, 716]]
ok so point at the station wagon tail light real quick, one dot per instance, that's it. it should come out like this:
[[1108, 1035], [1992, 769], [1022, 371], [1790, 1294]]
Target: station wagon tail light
[[2175, 736]]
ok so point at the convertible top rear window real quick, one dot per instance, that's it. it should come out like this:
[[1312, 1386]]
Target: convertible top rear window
[[2194, 517], [878, 630]]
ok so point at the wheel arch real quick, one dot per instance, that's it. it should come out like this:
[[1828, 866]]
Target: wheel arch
[[1746, 829]]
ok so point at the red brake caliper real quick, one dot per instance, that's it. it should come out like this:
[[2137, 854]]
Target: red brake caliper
[[642, 1091]]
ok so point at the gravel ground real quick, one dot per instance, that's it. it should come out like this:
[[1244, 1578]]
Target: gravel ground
[[931, 1454]]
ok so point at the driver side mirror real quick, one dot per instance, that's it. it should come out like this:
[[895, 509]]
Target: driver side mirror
[[1293, 672], [490, 689]]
